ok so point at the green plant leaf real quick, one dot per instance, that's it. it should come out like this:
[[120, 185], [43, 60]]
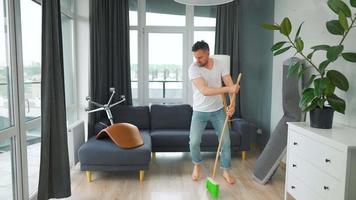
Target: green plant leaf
[[299, 44], [293, 69], [323, 65], [310, 55], [333, 5], [334, 27], [312, 105], [286, 27], [353, 3], [323, 87], [328, 87], [310, 81], [321, 47], [334, 52], [282, 50], [345, 9], [317, 87], [270, 26], [343, 21], [298, 31], [308, 96], [320, 102], [338, 79], [337, 103], [337, 6], [278, 45], [349, 56]]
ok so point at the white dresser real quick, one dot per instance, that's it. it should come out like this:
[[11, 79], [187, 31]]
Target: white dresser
[[321, 164]]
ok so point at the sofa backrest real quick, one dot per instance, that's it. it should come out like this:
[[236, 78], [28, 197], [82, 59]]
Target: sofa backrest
[[136, 115], [171, 116]]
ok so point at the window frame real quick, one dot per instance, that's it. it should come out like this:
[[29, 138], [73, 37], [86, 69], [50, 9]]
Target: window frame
[[188, 40]]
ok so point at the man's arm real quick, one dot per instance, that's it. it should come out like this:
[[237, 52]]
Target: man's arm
[[228, 82], [208, 91]]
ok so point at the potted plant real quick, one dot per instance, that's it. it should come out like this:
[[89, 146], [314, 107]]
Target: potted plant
[[319, 96]]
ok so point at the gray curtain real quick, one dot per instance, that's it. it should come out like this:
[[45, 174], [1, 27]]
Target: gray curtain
[[109, 53], [54, 181], [226, 40]]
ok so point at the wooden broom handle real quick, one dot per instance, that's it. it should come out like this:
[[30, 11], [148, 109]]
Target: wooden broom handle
[[224, 127], [233, 98]]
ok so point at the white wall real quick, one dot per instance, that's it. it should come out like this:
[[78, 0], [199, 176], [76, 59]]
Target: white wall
[[315, 13], [82, 55]]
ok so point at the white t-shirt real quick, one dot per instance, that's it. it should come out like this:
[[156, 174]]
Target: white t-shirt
[[213, 79]]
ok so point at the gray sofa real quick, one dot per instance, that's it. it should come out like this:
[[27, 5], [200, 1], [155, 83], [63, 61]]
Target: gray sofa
[[164, 128]]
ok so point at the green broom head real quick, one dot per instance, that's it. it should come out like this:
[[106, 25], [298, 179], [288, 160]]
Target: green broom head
[[212, 187]]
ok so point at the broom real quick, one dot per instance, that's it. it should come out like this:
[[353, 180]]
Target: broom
[[211, 185]]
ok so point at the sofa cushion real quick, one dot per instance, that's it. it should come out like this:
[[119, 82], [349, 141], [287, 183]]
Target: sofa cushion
[[171, 117], [209, 138], [170, 138], [104, 152], [136, 115], [180, 138]]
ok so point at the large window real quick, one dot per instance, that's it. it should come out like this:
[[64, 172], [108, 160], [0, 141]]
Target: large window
[[161, 36], [165, 63], [31, 19], [6, 169], [5, 71], [133, 7], [164, 13], [31, 51], [134, 64], [205, 16], [7, 156], [69, 71], [204, 25], [31, 45]]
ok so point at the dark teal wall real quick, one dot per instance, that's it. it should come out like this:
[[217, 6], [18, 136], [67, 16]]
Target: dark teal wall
[[255, 61]]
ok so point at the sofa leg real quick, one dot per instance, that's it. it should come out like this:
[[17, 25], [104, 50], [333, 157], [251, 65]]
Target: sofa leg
[[153, 156], [244, 155], [89, 176], [142, 175]]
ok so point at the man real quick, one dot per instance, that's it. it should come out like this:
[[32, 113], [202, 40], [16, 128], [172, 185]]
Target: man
[[206, 75]]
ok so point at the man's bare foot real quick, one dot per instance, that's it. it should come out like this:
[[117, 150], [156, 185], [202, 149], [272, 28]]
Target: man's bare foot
[[228, 177], [196, 171]]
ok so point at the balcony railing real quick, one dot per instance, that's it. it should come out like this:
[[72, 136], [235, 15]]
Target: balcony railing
[[32, 100], [162, 91]]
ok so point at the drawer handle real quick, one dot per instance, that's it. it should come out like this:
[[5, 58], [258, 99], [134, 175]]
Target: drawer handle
[[293, 187], [327, 160], [295, 143], [326, 188], [294, 165]]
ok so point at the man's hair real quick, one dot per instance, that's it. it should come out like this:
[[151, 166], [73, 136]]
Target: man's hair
[[200, 45]]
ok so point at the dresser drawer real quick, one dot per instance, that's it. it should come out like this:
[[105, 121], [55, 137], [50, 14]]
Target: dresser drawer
[[298, 190], [318, 181], [328, 159]]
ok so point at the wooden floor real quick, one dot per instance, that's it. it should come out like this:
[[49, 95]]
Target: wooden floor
[[169, 178]]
